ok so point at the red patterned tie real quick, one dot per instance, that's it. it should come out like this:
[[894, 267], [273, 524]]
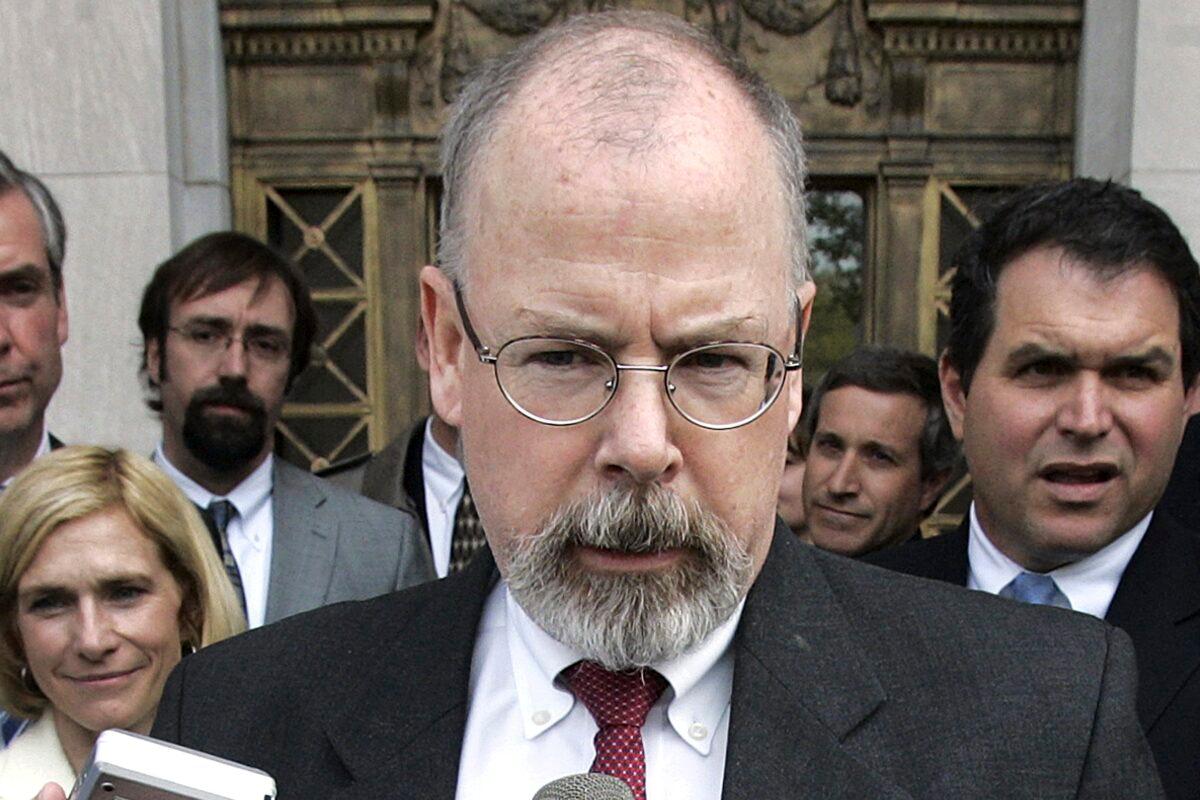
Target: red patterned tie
[[619, 702]]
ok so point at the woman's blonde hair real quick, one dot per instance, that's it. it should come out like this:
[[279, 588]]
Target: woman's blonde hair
[[75, 482]]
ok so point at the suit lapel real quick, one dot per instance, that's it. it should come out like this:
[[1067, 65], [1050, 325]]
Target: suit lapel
[[800, 686], [416, 687], [1158, 604], [303, 543]]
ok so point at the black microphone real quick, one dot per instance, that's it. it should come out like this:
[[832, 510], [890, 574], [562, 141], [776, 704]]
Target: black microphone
[[588, 786]]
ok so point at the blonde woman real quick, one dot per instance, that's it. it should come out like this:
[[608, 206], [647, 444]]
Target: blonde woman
[[107, 578]]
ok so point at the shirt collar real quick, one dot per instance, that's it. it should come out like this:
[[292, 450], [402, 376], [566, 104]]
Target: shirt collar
[[1088, 583], [701, 680], [443, 472], [43, 449], [247, 497]]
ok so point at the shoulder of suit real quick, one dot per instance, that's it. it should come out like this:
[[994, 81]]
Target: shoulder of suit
[[282, 652], [380, 515], [344, 465], [940, 611]]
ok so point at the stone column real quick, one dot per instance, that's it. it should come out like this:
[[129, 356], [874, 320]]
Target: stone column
[[1139, 109], [120, 107]]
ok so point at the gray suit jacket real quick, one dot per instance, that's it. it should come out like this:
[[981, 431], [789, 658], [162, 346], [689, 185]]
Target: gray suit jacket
[[331, 545], [849, 682]]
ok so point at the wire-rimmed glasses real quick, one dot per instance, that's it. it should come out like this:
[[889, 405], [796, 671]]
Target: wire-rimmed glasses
[[560, 381]]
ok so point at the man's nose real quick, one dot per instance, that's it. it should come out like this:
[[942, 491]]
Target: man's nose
[[235, 360], [1085, 411], [843, 481], [6, 340], [638, 445]]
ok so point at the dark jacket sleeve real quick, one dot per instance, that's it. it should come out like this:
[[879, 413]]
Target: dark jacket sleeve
[[1119, 762]]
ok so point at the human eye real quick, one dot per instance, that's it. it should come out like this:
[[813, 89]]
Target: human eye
[[716, 360], [47, 603], [1136, 375], [20, 289], [880, 457], [125, 592], [556, 356], [827, 445], [1042, 370], [203, 335], [267, 346]]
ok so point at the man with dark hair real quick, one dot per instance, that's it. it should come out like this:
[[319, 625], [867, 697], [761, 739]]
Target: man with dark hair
[[33, 326], [227, 325], [1069, 375], [615, 330], [880, 450]]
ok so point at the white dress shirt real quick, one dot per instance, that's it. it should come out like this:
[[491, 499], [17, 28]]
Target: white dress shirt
[[249, 531], [43, 448], [1088, 583], [443, 479], [525, 729]]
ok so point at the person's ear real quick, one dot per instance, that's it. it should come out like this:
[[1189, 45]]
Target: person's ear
[[154, 362], [447, 353], [63, 327], [1191, 397], [954, 395], [932, 488], [795, 388]]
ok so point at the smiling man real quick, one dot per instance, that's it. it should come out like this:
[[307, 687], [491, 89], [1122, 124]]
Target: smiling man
[[227, 326], [1069, 375], [615, 328], [880, 450]]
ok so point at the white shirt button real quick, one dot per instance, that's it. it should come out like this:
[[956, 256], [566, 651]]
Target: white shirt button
[[698, 731], [540, 717]]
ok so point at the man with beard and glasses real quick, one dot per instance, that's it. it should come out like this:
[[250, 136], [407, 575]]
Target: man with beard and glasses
[[227, 325], [615, 327]]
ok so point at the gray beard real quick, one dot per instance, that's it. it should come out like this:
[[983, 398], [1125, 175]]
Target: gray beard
[[625, 621]]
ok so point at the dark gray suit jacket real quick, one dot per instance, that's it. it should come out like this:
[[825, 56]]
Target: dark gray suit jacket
[[331, 545], [849, 682], [1157, 603]]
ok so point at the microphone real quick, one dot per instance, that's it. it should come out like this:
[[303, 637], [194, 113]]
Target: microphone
[[588, 786]]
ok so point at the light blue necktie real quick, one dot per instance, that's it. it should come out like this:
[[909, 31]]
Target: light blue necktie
[[1041, 590]]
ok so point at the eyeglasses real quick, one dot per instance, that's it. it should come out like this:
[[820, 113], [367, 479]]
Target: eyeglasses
[[210, 342], [559, 381]]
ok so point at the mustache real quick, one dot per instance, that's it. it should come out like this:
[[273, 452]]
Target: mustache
[[637, 521], [229, 393]]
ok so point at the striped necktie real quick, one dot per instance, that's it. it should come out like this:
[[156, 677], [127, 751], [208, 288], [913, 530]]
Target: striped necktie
[[217, 517]]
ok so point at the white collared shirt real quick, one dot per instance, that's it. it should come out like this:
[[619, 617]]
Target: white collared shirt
[[1088, 583], [443, 479], [524, 729], [43, 448], [249, 532]]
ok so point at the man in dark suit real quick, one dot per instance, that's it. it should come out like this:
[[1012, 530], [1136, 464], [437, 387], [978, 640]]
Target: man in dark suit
[[615, 330], [879, 453], [1069, 375], [227, 325]]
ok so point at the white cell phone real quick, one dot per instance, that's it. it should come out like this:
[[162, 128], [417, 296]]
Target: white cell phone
[[127, 766]]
